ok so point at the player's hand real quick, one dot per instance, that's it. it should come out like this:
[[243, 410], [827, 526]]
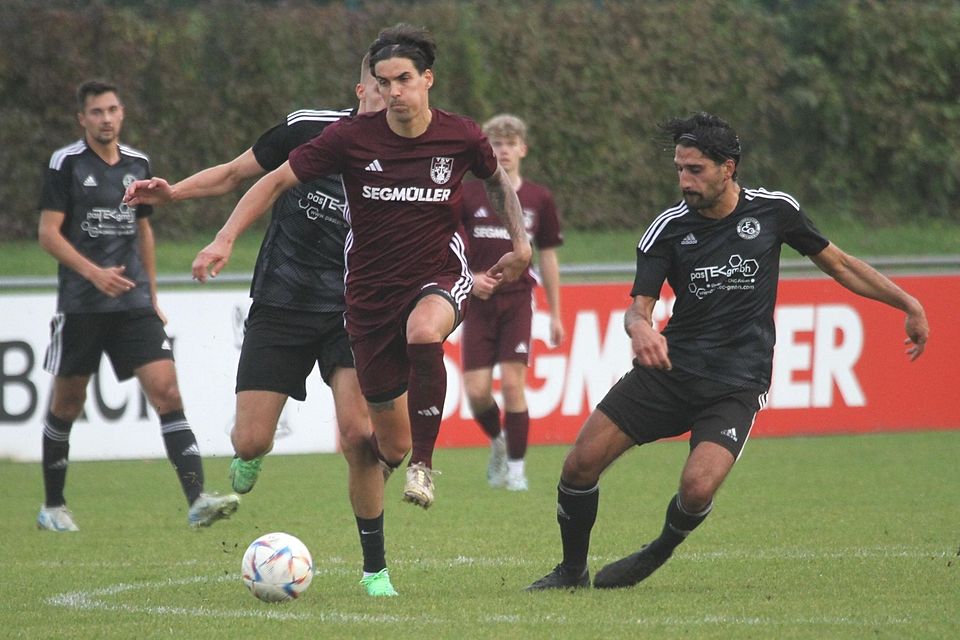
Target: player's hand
[[111, 282], [152, 191], [212, 259], [557, 333], [649, 346], [484, 285], [918, 332], [511, 265]]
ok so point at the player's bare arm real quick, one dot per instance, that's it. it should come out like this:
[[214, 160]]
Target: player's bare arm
[[108, 280], [550, 272], [148, 256], [503, 198], [649, 346], [484, 285], [254, 203], [862, 279], [212, 181]]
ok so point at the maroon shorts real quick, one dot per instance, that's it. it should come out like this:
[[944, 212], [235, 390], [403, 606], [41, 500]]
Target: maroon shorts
[[497, 330], [381, 354]]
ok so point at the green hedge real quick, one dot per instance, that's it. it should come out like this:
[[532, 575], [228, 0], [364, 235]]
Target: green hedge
[[852, 106]]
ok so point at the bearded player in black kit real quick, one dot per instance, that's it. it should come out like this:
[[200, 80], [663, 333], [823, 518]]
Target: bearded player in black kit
[[708, 372], [107, 302]]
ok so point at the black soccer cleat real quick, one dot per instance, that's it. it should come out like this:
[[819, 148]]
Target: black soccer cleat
[[629, 571], [562, 578]]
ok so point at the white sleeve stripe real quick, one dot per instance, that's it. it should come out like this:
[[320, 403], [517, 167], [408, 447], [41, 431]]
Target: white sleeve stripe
[[310, 115], [750, 194], [58, 156], [136, 153], [659, 224]]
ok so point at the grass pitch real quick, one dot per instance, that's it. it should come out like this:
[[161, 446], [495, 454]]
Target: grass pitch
[[832, 537]]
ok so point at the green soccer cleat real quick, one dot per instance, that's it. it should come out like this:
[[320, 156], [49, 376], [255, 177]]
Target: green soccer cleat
[[378, 584], [244, 473]]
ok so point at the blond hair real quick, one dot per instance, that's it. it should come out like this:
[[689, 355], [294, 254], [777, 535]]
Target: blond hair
[[505, 125]]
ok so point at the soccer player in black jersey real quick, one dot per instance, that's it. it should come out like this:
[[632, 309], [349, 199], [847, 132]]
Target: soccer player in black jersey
[[107, 302], [707, 373], [296, 319]]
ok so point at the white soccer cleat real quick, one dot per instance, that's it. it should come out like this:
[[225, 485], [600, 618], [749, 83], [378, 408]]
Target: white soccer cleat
[[419, 487], [517, 482], [56, 519], [209, 508], [497, 467]]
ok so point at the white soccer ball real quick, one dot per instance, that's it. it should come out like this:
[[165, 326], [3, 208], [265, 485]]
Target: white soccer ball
[[277, 567]]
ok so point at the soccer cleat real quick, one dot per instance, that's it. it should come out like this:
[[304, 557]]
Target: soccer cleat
[[629, 571], [378, 584], [562, 578], [56, 519], [497, 467], [517, 482], [419, 486], [208, 508], [244, 473]]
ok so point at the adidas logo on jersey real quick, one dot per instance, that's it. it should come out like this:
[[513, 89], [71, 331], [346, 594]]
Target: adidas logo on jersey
[[730, 433], [432, 411], [90, 181], [689, 239], [373, 166], [521, 348]]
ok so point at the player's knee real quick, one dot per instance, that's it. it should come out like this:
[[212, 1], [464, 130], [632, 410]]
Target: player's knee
[[355, 439], [578, 470], [251, 443], [166, 398], [696, 495]]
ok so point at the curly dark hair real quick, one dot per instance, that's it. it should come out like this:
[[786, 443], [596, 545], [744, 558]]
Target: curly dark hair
[[404, 41], [712, 135]]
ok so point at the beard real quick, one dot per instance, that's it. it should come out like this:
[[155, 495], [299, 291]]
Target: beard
[[696, 200]]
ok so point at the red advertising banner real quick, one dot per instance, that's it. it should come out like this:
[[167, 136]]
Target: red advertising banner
[[839, 367]]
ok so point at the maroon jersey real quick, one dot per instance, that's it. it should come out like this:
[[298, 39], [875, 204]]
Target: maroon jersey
[[488, 239], [404, 201]]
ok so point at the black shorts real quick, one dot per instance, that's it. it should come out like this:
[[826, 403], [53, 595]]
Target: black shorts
[[130, 339], [650, 404], [280, 347]]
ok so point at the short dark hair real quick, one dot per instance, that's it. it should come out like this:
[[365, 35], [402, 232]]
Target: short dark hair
[[93, 88], [712, 135], [404, 41]]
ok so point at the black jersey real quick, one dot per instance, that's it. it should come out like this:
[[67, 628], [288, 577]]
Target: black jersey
[[724, 274], [300, 265], [97, 223]]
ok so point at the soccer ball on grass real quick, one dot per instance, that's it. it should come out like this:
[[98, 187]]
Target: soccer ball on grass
[[277, 567]]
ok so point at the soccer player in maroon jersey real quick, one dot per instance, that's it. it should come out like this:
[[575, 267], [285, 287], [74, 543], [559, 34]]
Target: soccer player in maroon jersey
[[497, 330], [296, 320], [407, 279]]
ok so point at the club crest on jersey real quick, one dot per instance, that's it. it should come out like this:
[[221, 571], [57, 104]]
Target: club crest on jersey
[[441, 168], [748, 228]]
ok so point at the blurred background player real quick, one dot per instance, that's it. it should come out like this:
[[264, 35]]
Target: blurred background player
[[296, 319], [708, 372], [497, 329], [107, 302], [407, 278]]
